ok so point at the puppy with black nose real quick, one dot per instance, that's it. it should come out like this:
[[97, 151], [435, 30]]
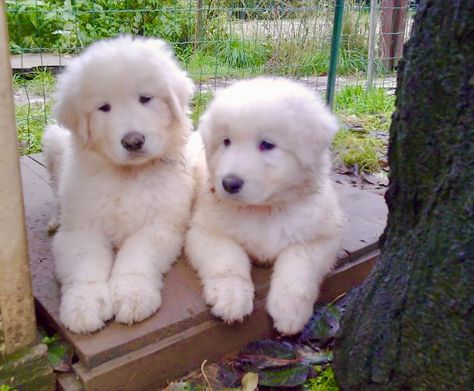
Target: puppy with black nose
[[119, 168], [264, 194]]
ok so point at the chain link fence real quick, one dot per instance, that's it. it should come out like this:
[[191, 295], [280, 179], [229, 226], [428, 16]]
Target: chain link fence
[[216, 41]]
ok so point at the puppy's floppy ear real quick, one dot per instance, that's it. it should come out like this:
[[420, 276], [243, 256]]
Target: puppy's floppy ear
[[318, 126], [180, 88], [180, 91], [68, 110]]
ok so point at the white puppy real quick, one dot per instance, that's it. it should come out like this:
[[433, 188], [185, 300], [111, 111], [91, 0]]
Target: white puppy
[[122, 180], [265, 194]]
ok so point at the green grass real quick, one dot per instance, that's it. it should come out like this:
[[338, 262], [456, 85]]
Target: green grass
[[41, 82], [31, 120], [324, 382], [202, 67], [356, 100], [360, 150], [199, 105], [370, 111]]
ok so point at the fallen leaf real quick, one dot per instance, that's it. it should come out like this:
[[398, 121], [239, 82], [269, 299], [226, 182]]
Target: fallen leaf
[[250, 382], [323, 325], [268, 347], [314, 357], [284, 377], [228, 375]]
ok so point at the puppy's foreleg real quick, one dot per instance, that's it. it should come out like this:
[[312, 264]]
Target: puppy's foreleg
[[137, 276], [297, 276], [83, 259], [224, 269], [56, 141]]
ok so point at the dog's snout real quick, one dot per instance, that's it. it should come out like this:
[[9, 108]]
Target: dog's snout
[[232, 184], [133, 141]]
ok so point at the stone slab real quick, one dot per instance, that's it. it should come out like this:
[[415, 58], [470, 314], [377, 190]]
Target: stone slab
[[28, 369]]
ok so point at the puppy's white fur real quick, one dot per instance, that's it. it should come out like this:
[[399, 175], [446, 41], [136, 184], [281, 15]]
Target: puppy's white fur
[[286, 213], [122, 214]]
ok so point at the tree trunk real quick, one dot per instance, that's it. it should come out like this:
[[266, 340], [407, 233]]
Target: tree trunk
[[411, 325]]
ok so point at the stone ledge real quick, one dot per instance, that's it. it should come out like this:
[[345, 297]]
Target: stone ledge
[[28, 369]]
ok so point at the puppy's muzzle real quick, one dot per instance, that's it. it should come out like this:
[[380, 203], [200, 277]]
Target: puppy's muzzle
[[232, 184], [133, 141]]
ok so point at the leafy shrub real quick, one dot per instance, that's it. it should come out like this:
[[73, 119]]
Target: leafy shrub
[[64, 26]]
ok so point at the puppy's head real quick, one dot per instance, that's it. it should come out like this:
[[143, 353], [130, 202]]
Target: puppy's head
[[127, 99], [266, 141]]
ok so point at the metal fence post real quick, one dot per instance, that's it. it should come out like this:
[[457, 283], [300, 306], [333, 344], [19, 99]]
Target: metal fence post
[[335, 42]]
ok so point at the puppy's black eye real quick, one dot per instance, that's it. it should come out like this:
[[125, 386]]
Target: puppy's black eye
[[105, 108], [144, 99], [266, 146], [226, 142]]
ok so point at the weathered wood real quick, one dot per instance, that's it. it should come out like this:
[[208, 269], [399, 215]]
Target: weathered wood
[[393, 25], [17, 319], [411, 325]]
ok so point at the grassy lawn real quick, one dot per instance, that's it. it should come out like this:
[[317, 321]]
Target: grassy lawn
[[367, 116]]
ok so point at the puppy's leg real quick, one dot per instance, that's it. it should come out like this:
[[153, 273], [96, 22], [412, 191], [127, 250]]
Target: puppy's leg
[[137, 276], [297, 275], [224, 269], [56, 141], [83, 259]]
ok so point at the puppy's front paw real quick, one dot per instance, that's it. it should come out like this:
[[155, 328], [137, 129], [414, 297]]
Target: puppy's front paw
[[85, 307], [290, 310], [231, 297], [134, 298]]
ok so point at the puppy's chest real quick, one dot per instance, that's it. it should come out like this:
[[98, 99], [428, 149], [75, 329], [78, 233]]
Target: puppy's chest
[[131, 204], [264, 236]]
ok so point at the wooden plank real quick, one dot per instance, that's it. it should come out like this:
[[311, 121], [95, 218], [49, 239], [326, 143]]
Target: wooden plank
[[157, 364], [183, 308], [28, 62]]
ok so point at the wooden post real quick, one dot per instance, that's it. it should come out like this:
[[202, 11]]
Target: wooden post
[[16, 298], [198, 38], [374, 14], [393, 18], [23, 363]]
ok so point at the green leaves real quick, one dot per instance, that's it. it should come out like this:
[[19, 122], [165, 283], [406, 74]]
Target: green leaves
[[59, 353]]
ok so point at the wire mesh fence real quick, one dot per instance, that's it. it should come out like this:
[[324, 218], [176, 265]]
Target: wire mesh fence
[[216, 41]]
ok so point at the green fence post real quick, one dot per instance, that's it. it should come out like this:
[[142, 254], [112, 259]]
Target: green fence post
[[336, 40]]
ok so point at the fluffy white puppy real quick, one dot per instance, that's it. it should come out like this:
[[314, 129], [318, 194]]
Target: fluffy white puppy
[[265, 195], [118, 165]]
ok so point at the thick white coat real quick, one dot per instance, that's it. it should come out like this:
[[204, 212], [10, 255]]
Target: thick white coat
[[122, 215], [286, 212]]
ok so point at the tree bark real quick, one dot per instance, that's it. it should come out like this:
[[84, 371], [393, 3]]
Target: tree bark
[[411, 325]]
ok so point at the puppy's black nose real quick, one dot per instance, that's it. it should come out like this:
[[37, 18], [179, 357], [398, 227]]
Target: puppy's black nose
[[232, 184], [133, 141]]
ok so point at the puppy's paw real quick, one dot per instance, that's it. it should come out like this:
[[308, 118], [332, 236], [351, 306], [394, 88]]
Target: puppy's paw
[[290, 310], [134, 298], [85, 307], [231, 297]]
